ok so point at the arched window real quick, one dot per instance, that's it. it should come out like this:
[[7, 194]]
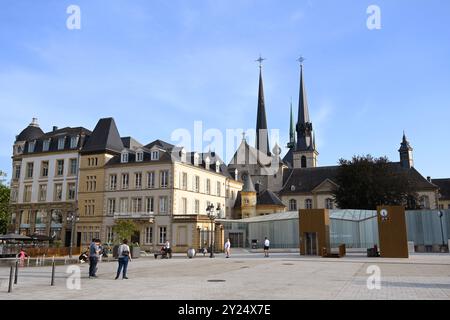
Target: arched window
[[329, 203], [303, 162], [308, 204], [292, 205], [425, 202], [41, 216]]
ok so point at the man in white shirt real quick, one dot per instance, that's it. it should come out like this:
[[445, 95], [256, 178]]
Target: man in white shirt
[[227, 248], [266, 247]]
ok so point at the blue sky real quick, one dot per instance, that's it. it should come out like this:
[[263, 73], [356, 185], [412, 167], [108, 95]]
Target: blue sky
[[157, 65]]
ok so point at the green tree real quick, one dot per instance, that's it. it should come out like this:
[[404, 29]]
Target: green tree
[[5, 212], [124, 229], [366, 182]]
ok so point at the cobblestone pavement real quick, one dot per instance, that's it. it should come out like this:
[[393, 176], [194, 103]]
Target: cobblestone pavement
[[243, 276]]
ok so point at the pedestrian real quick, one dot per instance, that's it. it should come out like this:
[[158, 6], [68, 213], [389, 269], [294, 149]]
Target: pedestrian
[[94, 253], [124, 257], [22, 256], [266, 247], [227, 248], [168, 250]]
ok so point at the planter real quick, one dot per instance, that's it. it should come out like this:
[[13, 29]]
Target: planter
[[135, 252]]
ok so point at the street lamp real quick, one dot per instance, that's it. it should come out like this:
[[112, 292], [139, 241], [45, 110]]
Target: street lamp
[[72, 218], [441, 213], [212, 215]]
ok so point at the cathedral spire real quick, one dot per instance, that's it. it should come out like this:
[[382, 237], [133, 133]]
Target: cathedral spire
[[262, 137], [291, 143], [304, 125], [406, 153]]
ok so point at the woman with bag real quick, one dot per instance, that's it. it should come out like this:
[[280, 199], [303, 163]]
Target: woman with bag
[[124, 257]]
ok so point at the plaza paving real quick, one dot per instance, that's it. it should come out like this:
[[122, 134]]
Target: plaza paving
[[244, 276]]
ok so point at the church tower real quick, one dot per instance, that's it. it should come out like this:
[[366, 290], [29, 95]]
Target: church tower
[[262, 135], [305, 154], [292, 141], [406, 153]]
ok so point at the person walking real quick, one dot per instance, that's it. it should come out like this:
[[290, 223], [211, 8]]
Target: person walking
[[266, 247], [168, 250], [124, 257], [22, 256], [227, 248], [94, 253]]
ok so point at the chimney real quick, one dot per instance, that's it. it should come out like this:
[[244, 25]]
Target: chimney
[[55, 128], [34, 123], [429, 179], [236, 176]]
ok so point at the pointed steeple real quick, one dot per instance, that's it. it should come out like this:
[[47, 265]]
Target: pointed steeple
[[304, 125], [406, 153], [292, 141], [262, 136]]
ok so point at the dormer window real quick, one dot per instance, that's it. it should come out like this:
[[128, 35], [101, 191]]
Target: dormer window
[[183, 155], [124, 157], [74, 142], [207, 163], [154, 155], [139, 156], [196, 158], [217, 166], [31, 146], [46, 145], [61, 142]]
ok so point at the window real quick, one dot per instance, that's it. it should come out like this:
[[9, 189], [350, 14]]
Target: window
[[27, 194], [184, 181], [124, 205], [74, 142], [207, 163], [197, 207], [124, 158], [92, 162], [91, 183], [292, 205], [197, 184], [41, 217], [425, 202], [89, 207], [44, 169], [42, 192], [113, 182], [308, 204], [154, 155], [149, 205], [17, 171], [109, 234], [162, 235], [148, 235], [14, 195], [61, 142], [151, 180], [164, 179], [111, 206], [30, 166], [25, 217], [303, 162], [59, 167], [73, 167], [217, 166], [58, 192], [31, 146], [71, 191], [46, 145], [136, 204], [328, 203], [138, 180], [125, 180], [140, 156], [163, 202], [208, 186], [184, 205], [218, 188]]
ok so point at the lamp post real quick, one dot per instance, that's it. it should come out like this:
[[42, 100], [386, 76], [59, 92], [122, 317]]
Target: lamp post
[[72, 218], [212, 216], [441, 213]]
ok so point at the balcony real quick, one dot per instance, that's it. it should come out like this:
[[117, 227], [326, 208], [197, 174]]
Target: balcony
[[134, 215]]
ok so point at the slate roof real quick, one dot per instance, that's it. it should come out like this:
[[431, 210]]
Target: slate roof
[[266, 197], [54, 136], [30, 133], [444, 188], [104, 138]]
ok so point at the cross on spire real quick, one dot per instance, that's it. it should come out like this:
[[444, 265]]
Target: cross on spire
[[301, 60], [260, 60]]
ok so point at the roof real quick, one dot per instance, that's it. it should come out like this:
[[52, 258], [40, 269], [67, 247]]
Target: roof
[[161, 144], [444, 188], [131, 143], [261, 120], [265, 198], [248, 184], [104, 138], [54, 136], [31, 132], [305, 180]]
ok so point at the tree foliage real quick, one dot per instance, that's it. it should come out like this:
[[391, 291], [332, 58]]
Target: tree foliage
[[366, 182], [5, 212], [124, 229]]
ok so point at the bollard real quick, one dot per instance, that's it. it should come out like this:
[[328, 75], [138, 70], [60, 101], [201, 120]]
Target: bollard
[[10, 279], [16, 272], [37, 261], [53, 274], [28, 261]]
